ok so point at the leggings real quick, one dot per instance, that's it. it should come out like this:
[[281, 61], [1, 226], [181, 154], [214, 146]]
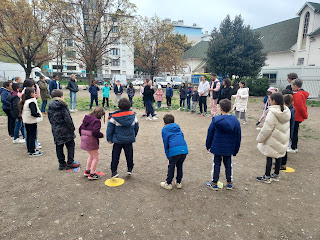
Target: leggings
[[242, 115], [92, 161]]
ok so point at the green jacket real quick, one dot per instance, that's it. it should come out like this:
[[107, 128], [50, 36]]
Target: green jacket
[[44, 91]]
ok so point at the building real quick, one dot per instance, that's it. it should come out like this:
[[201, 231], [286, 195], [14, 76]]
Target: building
[[195, 58]]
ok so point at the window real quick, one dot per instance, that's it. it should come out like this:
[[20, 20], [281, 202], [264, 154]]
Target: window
[[123, 63], [71, 54], [69, 19], [305, 30], [106, 62], [123, 52], [57, 67], [115, 51], [115, 29], [69, 42], [271, 76], [300, 61], [115, 62], [71, 67]]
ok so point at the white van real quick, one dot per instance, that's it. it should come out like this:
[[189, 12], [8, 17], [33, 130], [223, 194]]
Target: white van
[[122, 78]]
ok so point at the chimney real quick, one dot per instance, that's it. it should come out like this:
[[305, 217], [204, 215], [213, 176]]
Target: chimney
[[194, 25]]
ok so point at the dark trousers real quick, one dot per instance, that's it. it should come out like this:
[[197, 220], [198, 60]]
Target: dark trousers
[[31, 130], [150, 110], [182, 102], [60, 154], [105, 99], [175, 161], [294, 144], [116, 151], [95, 98], [18, 127], [130, 99], [43, 106], [189, 102], [216, 167], [269, 166], [284, 160], [168, 101], [11, 122], [203, 104]]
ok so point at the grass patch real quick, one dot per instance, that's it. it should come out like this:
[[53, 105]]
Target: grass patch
[[313, 103], [79, 83]]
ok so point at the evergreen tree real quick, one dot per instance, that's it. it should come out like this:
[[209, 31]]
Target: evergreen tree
[[235, 49]]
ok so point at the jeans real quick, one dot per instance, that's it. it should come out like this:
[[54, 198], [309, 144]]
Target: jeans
[[60, 154], [217, 159], [31, 137], [11, 122], [130, 99], [168, 101], [294, 144], [194, 106], [116, 151], [159, 104], [175, 161], [182, 102], [18, 126], [43, 106], [93, 160], [95, 98], [150, 110], [105, 99], [269, 166], [73, 100], [189, 102], [203, 104]]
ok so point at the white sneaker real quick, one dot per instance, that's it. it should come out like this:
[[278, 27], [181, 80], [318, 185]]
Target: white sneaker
[[38, 147], [244, 122], [165, 185], [18, 140], [179, 185], [292, 150], [71, 110], [154, 118], [35, 154], [149, 118], [179, 108]]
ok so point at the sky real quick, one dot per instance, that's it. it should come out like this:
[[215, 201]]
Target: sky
[[209, 13]]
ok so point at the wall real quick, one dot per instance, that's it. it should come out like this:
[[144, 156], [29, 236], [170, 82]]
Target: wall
[[193, 63], [280, 59]]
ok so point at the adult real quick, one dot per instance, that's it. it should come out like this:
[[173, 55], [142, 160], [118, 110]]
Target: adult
[[214, 94], [290, 78], [73, 88], [203, 93], [44, 93], [226, 90], [17, 80], [6, 105], [54, 84], [118, 90], [148, 99], [241, 101]]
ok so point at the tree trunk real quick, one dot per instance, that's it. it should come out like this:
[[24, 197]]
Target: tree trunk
[[28, 72]]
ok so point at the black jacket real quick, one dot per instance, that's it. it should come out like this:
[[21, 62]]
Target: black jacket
[[148, 93], [225, 93], [14, 105], [182, 92], [195, 96], [72, 86], [61, 121]]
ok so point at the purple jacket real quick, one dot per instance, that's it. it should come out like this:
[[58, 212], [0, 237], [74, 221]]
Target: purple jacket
[[90, 133]]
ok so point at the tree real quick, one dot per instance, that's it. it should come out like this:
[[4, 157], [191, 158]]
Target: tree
[[24, 29], [94, 26], [235, 49], [156, 47]]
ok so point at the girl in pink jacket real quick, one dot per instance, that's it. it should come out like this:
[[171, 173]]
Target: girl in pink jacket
[[159, 96], [90, 134]]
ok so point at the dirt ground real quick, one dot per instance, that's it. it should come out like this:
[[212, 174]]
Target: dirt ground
[[40, 202]]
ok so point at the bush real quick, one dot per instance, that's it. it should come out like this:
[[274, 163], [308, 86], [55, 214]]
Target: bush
[[258, 87]]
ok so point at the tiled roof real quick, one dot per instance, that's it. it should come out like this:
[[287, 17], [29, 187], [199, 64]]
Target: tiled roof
[[197, 51], [316, 32], [316, 6]]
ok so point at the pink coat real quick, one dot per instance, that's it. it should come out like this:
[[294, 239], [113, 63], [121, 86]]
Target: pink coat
[[159, 95], [37, 92], [88, 142]]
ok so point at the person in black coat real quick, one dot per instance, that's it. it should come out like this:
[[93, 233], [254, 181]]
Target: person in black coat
[[182, 93], [149, 99], [226, 90]]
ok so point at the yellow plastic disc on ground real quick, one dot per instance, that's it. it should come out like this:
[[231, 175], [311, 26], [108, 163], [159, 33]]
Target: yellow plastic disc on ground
[[220, 184], [114, 182], [289, 169]]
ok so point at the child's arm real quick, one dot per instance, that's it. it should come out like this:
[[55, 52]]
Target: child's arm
[[67, 119], [136, 126], [165, 139], [34, 110], [210, 134], [267, 129], [238, 139], [110, 130], [96, 130]]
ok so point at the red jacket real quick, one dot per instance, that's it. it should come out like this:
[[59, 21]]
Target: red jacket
[[299, 103]]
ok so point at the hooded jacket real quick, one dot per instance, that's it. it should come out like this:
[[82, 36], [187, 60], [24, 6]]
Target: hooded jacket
[[299, 103], [61, 121], [90, 133], [241, 101], [14, 104], [195, 96], [225, 93], [159, 95], [44, 92], [105, 90], [122, 127], [182, 93], [224, 135], [94, 90], [72, 86], [169, 92], [118, 89], [173, 140], [4, 94], [273, 138]]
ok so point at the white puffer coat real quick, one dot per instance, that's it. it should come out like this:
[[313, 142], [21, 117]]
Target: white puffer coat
[[273, 138], [241, 99]]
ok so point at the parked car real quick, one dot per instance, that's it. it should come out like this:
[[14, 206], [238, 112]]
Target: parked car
[[137, 82], [160, 81], [175, 81]]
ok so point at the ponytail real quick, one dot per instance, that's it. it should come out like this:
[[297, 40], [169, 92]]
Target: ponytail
[[281, 107], [278, 98], [27, 95]]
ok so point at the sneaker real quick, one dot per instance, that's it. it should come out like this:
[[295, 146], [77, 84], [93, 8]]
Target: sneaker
[[114, 174], [275, 177], [244, 122], [179, 185], [76, 110], [212, 186], [149, 118], [229, 186], [94, 176], [264, 179], [129, 172], [86, 173], [184, 108], [179, 108], [165, 185], [283, 167], [201, 115], [71, 110], [257, 123], [35, 154], [38, 147], [18, 140], [62, 166], [292, 150], [204, 114], [154, 118], [72, 165]]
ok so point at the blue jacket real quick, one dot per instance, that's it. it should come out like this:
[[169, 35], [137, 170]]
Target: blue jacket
[[169, 92], [5, 103], [224, 135], [123, 127], [105, 91], [116, 90], [131, 92], [189, 92], [173, 140], [94, 90], [53, 85], [291, 121]]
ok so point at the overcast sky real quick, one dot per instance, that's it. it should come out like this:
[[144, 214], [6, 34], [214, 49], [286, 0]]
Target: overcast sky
[[209, 13]]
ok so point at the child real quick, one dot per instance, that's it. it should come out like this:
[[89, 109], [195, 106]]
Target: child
[[266, 103], [62, 129], [223, 140], [195, 99], [122, 130], [299, 103], [15, 113], [131, 91], [169, 95], [182, 93], [189, 95], [31, 115], [93, 90], [6, 90], [118, 90], [90, 134], [159, 96], [241, 102], [149, 99], [273, 138], [176, 150], [288, 101], [105, 94], [54, 84]]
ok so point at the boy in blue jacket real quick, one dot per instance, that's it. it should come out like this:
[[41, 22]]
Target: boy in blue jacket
[[176, 150], [169, 94], [93, 90], [122, 130], [223, 140], [189, 95]]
